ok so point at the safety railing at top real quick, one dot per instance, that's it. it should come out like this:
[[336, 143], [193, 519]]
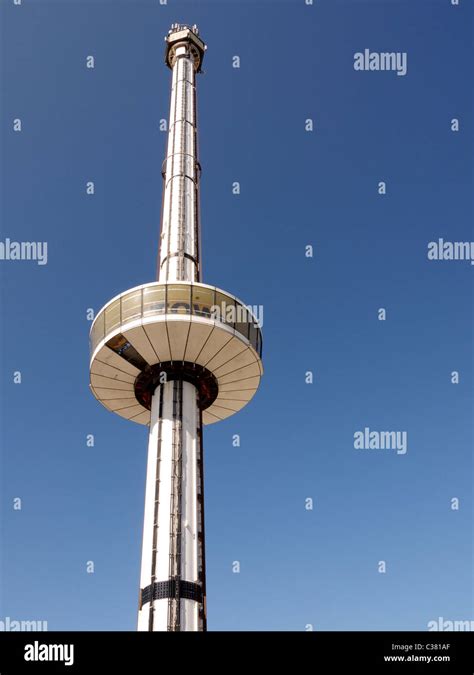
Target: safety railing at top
[[193, 299]]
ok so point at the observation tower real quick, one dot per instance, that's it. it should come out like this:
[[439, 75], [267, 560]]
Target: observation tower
[[175, 355]]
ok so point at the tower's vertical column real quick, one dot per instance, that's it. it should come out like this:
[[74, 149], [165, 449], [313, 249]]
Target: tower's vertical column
[[172, 595], [179, 241]]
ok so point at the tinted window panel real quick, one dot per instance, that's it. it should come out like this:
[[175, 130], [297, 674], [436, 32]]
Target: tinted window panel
[[203, 301], [179, 299], [98, 331], [154, 300], [132, 306], [242, 320], [225, 309], [112, 316]]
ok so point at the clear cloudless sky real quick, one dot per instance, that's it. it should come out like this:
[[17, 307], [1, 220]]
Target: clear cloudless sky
[[298, 188]]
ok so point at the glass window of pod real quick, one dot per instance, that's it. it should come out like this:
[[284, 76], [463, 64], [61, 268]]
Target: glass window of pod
[[178, 299], [259, 346], [112, 316], [254, 333], [98, 330], [243, 318], [203, 300], [225, 309], [132, 306], [154, 300]]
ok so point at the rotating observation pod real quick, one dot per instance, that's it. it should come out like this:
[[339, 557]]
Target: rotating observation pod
[[161, 331]]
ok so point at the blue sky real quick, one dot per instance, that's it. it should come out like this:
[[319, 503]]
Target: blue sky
[[82, 504]]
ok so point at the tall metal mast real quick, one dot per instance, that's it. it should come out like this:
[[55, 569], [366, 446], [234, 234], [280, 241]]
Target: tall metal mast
[[173, 542], [180, 230], [176, 354]]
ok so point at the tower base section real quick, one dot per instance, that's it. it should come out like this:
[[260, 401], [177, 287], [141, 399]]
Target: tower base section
[[172, 582]]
